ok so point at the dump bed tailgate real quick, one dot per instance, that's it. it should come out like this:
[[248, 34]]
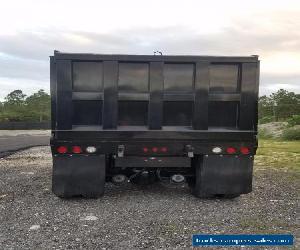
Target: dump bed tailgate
[[153, 96]]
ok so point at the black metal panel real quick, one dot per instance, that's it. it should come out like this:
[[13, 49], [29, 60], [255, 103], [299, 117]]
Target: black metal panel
[[133, 77], [178, 113], [147, 58], [176, 103], [256, 96], [178, 77], [228, 97], [200, 117], [64, 94], [88, 76], [132, 113], [155, 162], [223, 114], [53, 91], [133, 96], [110, 103], [143, 134], [87, 96], [224, 97], [87, 112], [178, 97], [155, 112], [223, 78], [248, 106]]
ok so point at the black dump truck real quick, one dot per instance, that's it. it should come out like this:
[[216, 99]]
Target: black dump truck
[[150, 118]]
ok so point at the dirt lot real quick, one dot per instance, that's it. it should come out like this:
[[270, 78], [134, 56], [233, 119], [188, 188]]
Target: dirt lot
[[31, 217]]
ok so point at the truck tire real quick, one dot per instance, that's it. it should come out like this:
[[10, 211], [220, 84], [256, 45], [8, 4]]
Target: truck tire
[[227, 196], [78, 176]]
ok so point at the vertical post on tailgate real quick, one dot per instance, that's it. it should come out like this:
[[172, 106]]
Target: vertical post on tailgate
[[53, 92], [247, 117], [110, 100], [64, 94], [155, 110], [200, 118]]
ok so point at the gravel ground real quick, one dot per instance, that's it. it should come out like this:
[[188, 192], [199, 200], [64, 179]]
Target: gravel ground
[[157, 217]]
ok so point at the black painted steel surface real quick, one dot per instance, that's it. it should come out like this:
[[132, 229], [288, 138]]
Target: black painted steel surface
[[104, 92], [126, 105]]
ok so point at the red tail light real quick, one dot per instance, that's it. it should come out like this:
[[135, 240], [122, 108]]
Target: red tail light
[[154, 149], [164, 149], [62, 149], [245, 150], [231, 150], [76, 149], [145, 150]]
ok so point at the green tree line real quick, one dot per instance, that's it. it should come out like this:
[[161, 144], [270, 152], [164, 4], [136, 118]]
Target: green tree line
[[19, 107], [280, 106]]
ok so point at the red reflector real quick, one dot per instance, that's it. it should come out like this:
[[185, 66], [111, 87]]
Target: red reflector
[[62, 149], [155, 149], [76, 149], [231, 150], [245, 150], [145, 150], [164, 149]]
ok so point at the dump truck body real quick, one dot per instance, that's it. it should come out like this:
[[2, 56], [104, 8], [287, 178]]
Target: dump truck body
[[147, 118]]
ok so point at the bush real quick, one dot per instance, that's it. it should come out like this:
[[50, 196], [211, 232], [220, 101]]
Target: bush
[[291, 133], [264, 134], [294, 120], [266, 119]]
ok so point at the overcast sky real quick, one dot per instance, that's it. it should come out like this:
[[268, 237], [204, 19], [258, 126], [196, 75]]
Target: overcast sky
[[31, 30]]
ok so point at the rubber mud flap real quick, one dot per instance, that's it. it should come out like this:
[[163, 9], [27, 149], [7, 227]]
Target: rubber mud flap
[[78, 175], [222, 175]]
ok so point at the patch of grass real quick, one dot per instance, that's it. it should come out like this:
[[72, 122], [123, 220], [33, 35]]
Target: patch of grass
[[292, 133], [282, 155]]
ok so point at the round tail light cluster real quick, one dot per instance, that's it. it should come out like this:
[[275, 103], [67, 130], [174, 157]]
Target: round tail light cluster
[[91, 149], [62, 149], [75, 149], [231, 150], [217, 150], [155, 150], [245, 150]]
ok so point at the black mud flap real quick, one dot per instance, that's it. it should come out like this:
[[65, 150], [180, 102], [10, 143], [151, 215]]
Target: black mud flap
[[78, 176], [222, 175]]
